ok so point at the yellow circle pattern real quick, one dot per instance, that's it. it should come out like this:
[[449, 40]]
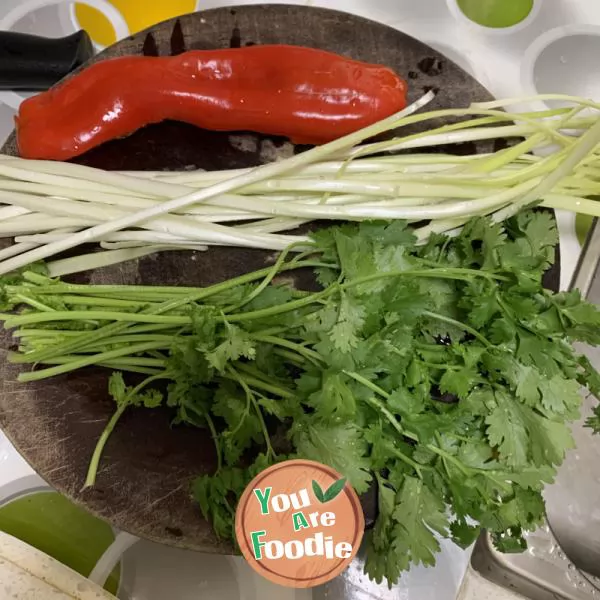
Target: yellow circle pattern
[[139, 15]]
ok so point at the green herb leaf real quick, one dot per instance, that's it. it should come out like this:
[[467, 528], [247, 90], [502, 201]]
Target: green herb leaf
[[339, 446], [418, 513], [237, 343]]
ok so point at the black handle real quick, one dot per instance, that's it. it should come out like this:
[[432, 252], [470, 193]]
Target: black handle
[[34, 63]]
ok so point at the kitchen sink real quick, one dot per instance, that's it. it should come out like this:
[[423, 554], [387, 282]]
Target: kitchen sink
[[563, 559]]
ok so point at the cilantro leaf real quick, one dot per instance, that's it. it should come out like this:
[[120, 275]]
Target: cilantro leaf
[[117, 388], [237, 343], [507, 432], [125, 396], [594, 420], [540, 229], [549, 439], [351, 318], [583, 318], [388, 233], [334, 399], [529, 382], [458, 382], [480, 240], [403, 402], [418, 513], [381, 561], [340, 446], [561, 396], [464, 534]]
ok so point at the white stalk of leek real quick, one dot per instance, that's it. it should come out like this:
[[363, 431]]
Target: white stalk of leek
[[50, 207]]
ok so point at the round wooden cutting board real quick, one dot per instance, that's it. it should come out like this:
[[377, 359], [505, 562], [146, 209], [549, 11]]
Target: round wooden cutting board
[[143, 484]]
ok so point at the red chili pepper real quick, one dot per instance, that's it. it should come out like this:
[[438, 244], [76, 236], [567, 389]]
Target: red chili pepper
[[307, 95]]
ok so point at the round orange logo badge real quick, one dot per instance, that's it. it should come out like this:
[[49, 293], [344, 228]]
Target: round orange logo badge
[[299, 523]]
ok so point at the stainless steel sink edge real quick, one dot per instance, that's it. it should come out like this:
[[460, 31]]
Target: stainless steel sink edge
[[542, 573]]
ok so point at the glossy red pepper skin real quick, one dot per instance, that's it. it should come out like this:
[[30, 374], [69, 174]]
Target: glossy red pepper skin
[[307, 95]]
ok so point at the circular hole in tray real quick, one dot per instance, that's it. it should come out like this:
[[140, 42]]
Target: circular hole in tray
[[569, 65], [564, 61]]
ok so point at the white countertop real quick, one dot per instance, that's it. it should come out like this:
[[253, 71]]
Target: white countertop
[[475, 587]]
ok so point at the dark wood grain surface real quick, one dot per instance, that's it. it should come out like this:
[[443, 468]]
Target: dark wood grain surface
[[144, 479]]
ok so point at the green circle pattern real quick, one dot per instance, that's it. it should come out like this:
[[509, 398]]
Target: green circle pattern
[[53, 524], [496, 13]]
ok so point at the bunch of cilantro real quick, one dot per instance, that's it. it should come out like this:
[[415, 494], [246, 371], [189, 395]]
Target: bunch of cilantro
[[441, 374]]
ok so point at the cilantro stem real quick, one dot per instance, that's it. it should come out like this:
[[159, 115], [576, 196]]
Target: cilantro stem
[[138, 361], [49, 286], [131, 368], [292, 357], [411, 463], [436, 264], [226, 502], [44, 333], [440, 366], [439, 273], [215, 438], [250, 395], [102, 301], [374, 402], [138, 337], [444, 246], [256, 378], [446, 456], [442, 273], [268, 277], [260, 384], [90, 479], [282, 308], [393, 421], [275, 330], [372, 386], [430, 347], [83, 361], [33, 302], [97, 315], [311, 355], [154, 315], [458, 324], [307, 253], [191, 295]]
